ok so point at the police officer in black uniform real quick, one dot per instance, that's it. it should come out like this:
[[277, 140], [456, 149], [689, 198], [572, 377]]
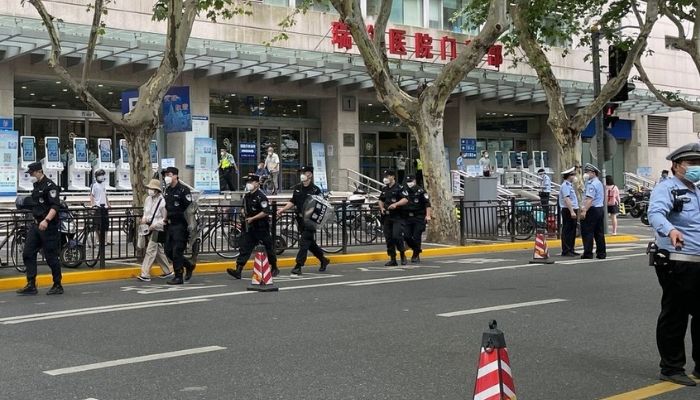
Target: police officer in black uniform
[[43, 233], [417, 214], [256, 211], [307, 241], [177, 198], [392, 198]]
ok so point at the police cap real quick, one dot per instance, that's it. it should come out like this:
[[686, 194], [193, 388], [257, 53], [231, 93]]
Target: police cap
[[389, 172], [35, 166], [252, 178], [410, 178], [568, 172], [689, 151], [171, 170], [307, 168], [591, 168]]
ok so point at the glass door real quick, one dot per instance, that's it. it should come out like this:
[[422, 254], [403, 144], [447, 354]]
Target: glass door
[[368, 155], [290, 157], [390, 145], [247, 162]]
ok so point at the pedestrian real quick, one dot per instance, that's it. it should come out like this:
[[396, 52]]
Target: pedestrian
[[154, 215], [177, 199], [485, 163], [301, 195], [227, 166], [401, 168], [417, 215], [272, 163], [568, 204], [460, 162], [593, 214], [391, 201], [664, 175], [613, 202], [545, 189], [43, 232], [100, 201], [418, 165], [256, 212], [673, 215]]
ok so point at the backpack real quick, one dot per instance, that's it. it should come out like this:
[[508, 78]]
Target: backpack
[[612, 200]]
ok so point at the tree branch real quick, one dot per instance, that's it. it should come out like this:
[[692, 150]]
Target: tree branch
[[658, 93], [92, 41], [669, 14], [380, 26]]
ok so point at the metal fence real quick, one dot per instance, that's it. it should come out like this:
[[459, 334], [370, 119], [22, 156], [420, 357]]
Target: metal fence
[[220, 230]]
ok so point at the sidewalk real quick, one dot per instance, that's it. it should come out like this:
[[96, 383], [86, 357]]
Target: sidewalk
[[10, 279]]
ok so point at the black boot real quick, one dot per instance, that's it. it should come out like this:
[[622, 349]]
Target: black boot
[[55, 289], [296, 271], [188, 272], [30, 289], [324, 264], [236, 273], [403, 258], [392, 262], [415, 258], [177, 280], [275, 271]]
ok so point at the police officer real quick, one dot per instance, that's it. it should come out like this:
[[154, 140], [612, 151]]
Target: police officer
[[592, 214], [417, 214], [674, 214], [256, 211], [43, 233], [392, 198], [568, 203], [177, 198], [307, 241], [227, 165]]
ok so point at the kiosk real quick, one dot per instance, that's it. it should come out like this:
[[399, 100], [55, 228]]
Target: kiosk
[[52, 162], [153, 151], [104, 159], [27, 145], [123, 175], [78, 165]]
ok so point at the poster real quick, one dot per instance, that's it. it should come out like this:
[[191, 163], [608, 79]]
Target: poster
[[200, 129], [206, 175], [176, 110], [8, 163], [468, 147], [318, 160], [153, 152], [6, 124], [53, 151], [81, 153], [167, 162], [28, 149], [247, 151], [105, 148]]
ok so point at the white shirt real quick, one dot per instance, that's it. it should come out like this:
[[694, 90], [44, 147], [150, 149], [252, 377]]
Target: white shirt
[[401, 163], [272, 162], [99, 193], [149, 207]]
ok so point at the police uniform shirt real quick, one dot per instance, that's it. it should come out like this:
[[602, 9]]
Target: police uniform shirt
[[418, 202], [177, 199], [663, 219], [45, 196], [391, 195], [301, 193], [546, 183], [567, 190], [594, 190], [255, 203]]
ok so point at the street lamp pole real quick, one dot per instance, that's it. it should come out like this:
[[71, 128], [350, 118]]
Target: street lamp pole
[[595, 50]]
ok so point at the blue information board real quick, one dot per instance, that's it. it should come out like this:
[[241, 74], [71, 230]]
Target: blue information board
[[468, 147], [247, 151]]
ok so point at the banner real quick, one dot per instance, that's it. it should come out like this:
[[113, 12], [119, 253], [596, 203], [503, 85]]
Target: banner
[[206, 175], [200, 129], [8, 162], [318, 160], [176, 110]]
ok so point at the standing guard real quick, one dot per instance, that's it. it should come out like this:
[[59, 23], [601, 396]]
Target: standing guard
[[393, 196], [417, 214], [593, 214], [256, 212], [177, 198], [568, 204]]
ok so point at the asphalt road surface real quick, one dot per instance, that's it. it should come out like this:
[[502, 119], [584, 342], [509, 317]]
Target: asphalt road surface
[[576, 329]]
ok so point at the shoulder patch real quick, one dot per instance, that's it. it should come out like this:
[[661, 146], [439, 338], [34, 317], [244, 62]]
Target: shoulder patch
[[52, 193], [263, 203], [405, 193], [425, 195], [188, 197]]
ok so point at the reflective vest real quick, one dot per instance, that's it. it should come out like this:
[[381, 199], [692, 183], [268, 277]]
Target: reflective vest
[[419, 164]]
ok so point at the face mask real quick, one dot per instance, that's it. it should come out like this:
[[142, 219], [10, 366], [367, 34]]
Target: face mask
[[692, 173], [168, 180], [100, 179], [269, 152], [249, 187], [386, 181], [303, 178], [411, 184], [32, 179], [151, 192], [586, 176], [223, 154], [575, 179]]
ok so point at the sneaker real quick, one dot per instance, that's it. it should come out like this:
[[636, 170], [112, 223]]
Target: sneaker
[[143, 278], [296, 271], [28, 290], [166, 276], [679, 379], [175, 281], [324, 264], [55, 289]]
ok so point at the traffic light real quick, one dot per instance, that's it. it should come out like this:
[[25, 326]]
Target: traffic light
[[609, 118], [616, 59]]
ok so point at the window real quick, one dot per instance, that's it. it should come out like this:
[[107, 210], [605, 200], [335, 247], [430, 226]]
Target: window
[[657, 131], [403, 12]]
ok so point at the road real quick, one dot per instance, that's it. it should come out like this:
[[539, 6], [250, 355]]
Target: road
[[356, 332]]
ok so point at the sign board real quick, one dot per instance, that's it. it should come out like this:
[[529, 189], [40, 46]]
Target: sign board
[[200, 129], [176, 110], [468, 147], [644, 171], [318, 159], [28, 149], [8, 162], [6, 123], [206, 175], [105, 150], [53, 151], [247, 151], [123, 151], [167, 162], [81, 151], [153, 151], [129, 99]]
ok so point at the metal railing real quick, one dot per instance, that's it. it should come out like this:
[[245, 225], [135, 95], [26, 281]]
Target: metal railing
[[357, 180], [634, 181]]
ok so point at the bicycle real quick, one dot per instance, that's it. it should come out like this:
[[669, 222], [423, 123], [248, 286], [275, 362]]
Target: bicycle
[[75, 241], [289, 232], [16, 238], [223, 234]]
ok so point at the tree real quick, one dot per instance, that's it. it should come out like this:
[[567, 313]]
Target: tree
[[679, 12], [422, 112], [140, 124]]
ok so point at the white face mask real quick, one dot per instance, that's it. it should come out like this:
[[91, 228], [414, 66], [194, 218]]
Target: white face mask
[[411, 184], [168, 180], [486, 156], [223, 154], [586, 176], [249, 187], [386, 181], [303, 178], [151, 192], [269, 152], [33, 179], [575, 179]]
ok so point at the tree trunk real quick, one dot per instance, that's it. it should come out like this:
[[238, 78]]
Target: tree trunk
[[444, 227], [138, 142], [569, 155]]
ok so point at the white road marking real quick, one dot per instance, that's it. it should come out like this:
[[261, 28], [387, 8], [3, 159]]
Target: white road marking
[[499, 308], [437, 244], [132, 360], [595, 260], [400, 280], [153, 289], [399, 269], [474, 261]]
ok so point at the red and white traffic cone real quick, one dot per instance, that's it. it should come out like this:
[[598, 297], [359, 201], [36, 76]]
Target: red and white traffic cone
[[494, 378], [541, 253], [262, 273]]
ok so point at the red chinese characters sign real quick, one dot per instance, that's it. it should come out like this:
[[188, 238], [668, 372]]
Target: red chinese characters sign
[[422, 44]]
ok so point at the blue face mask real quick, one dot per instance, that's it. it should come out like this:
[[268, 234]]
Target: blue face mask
[[692, 173]]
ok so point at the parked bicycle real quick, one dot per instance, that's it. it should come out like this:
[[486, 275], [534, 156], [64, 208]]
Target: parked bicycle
[[16, 237], [76, 241]]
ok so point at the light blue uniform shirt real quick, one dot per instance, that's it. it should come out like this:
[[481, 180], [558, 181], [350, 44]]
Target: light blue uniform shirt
[[595, 190], [460, 163], [662, 219], [546, 183], [567, 190]]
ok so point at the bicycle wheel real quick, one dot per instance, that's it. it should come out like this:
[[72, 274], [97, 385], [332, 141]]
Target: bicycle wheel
[[280, 245], [72, 254], [16, 250], [288, 231], [225, 240], [330, 240], [524, 227], [365, 228], [91, 249]]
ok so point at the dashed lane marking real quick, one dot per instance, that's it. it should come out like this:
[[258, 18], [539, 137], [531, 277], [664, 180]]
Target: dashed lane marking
[[499, 308]]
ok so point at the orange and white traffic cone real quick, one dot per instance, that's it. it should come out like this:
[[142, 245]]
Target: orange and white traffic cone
[[262, 273], [494, 378], [541, 253]]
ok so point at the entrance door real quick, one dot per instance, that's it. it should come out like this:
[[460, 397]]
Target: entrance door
[[290, 157], [368, 155], [390, 145]]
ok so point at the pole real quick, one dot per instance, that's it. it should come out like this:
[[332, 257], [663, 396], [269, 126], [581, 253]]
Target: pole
[[599, 134]]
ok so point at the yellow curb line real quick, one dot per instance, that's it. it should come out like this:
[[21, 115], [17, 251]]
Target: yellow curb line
[[647, 392], [220, 266]]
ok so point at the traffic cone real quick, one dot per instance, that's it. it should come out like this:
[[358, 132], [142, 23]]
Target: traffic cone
[[494, 378], [623, 211], [262, 273], [541, 253]]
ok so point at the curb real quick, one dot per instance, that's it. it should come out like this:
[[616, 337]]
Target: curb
[[100, 275]]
